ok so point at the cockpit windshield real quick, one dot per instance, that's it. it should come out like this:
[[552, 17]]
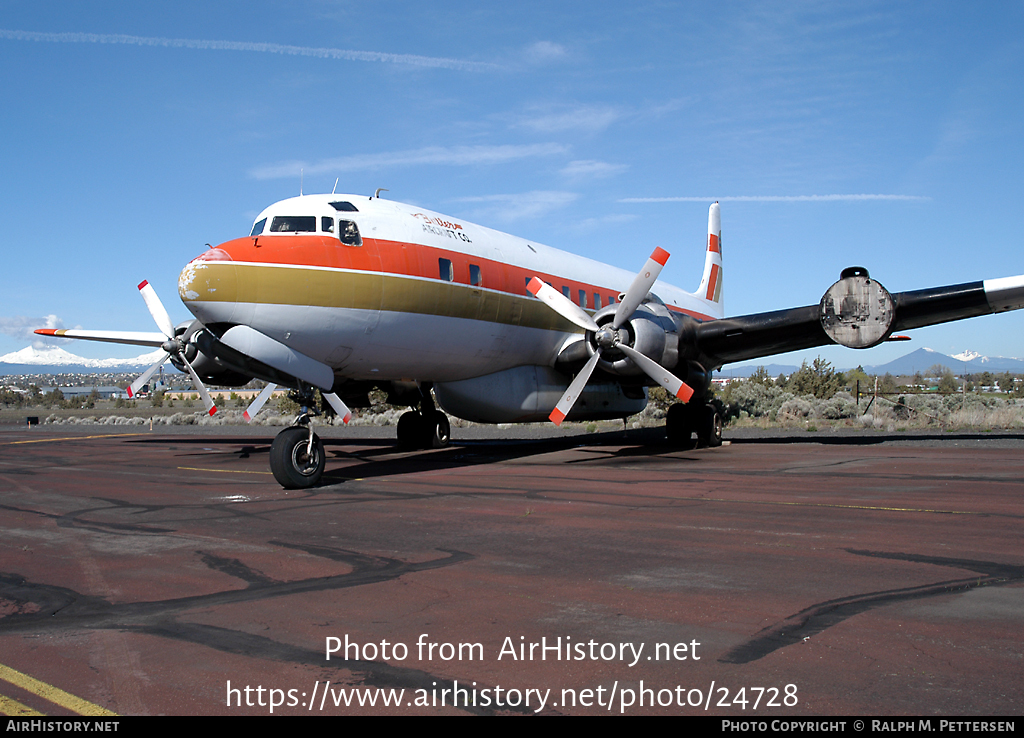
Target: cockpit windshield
[[257, 229], [293, 224]]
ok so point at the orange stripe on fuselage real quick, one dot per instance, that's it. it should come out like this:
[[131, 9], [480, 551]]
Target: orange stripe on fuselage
[[404, 259]]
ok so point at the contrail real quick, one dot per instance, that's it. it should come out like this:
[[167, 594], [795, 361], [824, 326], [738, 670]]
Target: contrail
[[187, 43], [776, 198]]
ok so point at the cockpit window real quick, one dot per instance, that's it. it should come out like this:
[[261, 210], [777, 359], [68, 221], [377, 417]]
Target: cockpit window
[[257, 229], [344, 207], [326, 224], [293, 224], [348, 232]]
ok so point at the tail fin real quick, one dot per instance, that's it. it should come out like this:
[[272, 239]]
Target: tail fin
[[710, 290]]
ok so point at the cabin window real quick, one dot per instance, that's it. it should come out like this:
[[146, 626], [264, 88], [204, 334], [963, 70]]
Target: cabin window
[[597, 301], [444, 266], [348, 232], [476, 277], [293, 224], [528, 285], [326, 224], [257, 229], [583, 298], [344, 207]]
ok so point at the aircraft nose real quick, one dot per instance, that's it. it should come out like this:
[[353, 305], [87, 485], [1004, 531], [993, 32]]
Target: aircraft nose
[[208, 286]]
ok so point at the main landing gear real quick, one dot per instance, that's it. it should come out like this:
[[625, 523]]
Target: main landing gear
[[427, 427], [297, 454], [683, 420]]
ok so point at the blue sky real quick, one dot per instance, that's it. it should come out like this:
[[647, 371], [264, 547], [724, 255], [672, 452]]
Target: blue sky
[[133, 134]]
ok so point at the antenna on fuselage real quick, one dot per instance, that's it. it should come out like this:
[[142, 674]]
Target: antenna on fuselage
[[379, 190], [335, 186]]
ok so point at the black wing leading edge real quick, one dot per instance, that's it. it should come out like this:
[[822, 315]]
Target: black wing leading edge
[[832, 321]]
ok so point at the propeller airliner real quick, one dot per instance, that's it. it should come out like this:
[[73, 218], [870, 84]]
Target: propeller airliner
[[347, 293]]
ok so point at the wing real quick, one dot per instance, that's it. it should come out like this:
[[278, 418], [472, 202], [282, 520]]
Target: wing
[[746, 337]]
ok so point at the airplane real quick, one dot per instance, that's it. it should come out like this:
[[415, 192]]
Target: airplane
[[347, 293]]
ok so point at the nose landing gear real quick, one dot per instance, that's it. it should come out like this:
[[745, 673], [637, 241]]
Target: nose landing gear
[[297, 455]]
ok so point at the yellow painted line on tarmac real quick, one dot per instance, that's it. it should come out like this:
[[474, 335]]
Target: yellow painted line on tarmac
[[13, 708], [52, 694], [843, 507], [221, 471], [78, 438]]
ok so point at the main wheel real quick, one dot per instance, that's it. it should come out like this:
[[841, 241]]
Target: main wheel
[[710, 433], [437, 431], [293, 465], [679, 425], [410, 430]]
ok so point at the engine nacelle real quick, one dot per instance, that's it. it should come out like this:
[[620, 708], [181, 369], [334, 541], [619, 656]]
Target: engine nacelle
[[528, 394], [208, 368], [857, 311], [651, 330]]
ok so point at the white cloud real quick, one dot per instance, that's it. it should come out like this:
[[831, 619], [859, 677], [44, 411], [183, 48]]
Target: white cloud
[[777, 198], [188, 43], [544, 51], [592, 224], [589, 168], [519, 206], [591, 118], [22, 327], [445, 155]]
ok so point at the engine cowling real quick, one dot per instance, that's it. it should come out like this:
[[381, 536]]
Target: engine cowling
[[651, 330], [206, 366], [857, 311]]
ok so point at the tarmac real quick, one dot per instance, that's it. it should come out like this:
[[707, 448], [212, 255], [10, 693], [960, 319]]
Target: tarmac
[[779, 576]]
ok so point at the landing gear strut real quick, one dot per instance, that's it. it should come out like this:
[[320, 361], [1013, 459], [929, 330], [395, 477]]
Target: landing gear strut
[[683, 420], [426, 428], [297, 454]]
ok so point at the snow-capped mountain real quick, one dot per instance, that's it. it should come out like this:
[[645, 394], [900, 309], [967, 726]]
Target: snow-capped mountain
[[55, 360]]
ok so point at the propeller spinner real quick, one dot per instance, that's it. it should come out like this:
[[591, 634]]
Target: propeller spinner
[[610, 337]]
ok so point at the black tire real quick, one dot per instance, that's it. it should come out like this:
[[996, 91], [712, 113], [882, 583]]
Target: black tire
[[437, 431], [679, 426], [292, 465], [710, 432], [410, 430]]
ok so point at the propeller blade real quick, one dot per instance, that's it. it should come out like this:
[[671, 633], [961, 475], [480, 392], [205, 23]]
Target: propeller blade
[[658, 373], [207, 400], [132, 338], [259, 402], [562, 305], [144, 377], [642, 284], [572, 394], [339, 407], [156, 309]]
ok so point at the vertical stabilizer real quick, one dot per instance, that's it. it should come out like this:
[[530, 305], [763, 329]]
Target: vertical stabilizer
[[710, 289]]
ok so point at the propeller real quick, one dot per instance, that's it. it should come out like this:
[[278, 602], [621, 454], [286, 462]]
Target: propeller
[[173, 346], [610, 336]]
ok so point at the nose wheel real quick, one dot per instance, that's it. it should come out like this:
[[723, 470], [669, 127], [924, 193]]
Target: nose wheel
[[297, 458]]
